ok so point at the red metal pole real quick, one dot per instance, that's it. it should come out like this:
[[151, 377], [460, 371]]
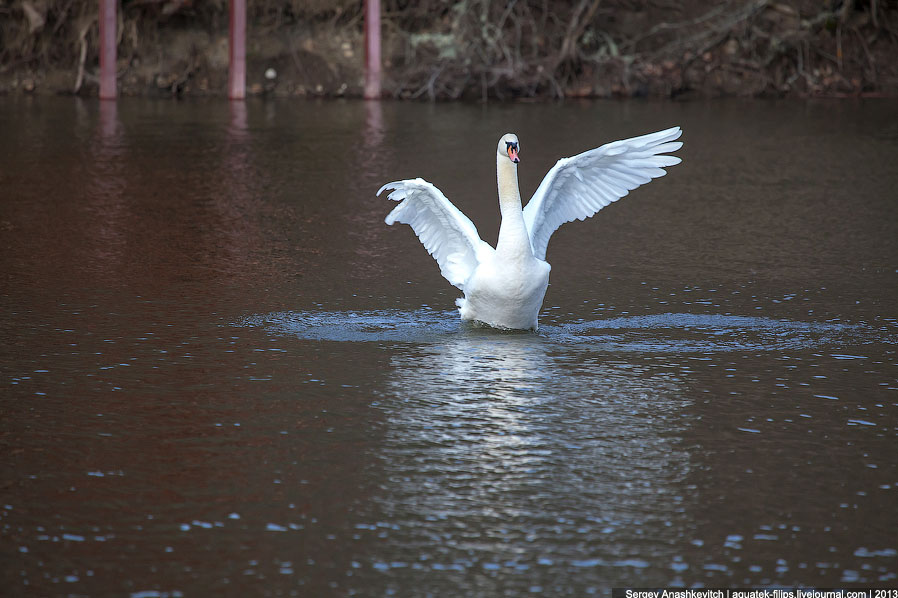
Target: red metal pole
[[107, 19], [237, 66], [372, 49]]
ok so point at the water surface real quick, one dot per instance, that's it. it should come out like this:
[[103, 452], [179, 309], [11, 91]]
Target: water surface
[[223, 374]]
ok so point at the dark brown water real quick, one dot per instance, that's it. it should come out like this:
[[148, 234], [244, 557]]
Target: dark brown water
[[222, 374]]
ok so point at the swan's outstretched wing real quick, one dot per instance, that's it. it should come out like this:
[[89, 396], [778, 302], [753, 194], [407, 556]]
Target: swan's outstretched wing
[[578, 187], [447, 234]]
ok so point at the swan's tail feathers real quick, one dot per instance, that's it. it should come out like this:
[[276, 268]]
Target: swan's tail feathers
[[460, 303]]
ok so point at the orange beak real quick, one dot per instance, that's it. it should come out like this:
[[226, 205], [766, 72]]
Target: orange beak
[[513, 154]]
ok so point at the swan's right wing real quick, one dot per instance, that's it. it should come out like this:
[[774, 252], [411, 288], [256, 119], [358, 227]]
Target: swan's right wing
[[447, 234]]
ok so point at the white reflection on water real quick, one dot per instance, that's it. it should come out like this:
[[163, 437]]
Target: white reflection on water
[[514, 456]]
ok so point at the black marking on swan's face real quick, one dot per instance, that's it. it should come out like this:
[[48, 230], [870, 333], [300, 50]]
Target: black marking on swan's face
[[512, 149]]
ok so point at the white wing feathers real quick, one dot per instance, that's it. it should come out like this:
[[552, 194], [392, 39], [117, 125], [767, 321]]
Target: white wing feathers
[[578, 187], [447, 234]]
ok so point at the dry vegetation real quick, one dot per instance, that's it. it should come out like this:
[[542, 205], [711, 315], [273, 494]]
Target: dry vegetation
[[476, 49]]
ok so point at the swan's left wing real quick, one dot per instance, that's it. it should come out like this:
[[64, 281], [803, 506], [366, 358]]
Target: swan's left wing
[[578, 187], [447, 234]]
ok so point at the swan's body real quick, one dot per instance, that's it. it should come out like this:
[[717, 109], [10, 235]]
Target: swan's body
[[504, 287]]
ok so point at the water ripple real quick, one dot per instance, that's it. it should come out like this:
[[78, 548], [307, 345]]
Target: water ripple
[[658, 333]]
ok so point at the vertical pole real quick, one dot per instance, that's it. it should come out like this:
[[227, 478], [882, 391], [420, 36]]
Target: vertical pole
[[237, 55], [107, 20], [372, 49]]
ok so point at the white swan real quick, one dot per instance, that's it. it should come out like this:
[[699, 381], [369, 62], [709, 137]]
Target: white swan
[[504, 287]]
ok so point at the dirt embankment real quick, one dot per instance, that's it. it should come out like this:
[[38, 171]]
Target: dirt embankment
[[471, 49]]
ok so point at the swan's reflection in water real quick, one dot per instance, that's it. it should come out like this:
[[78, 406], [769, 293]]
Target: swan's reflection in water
[[502, 456], [562, 461]]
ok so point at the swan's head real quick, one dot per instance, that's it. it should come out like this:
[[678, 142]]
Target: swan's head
[[509, 147]]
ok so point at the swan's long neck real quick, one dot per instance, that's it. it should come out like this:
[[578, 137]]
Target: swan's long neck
[[513, 238]]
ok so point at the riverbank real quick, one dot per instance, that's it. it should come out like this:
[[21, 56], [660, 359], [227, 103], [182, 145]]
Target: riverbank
[[468, 50]]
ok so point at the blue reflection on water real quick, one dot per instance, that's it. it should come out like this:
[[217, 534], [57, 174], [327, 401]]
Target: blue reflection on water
[[657, 333]]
